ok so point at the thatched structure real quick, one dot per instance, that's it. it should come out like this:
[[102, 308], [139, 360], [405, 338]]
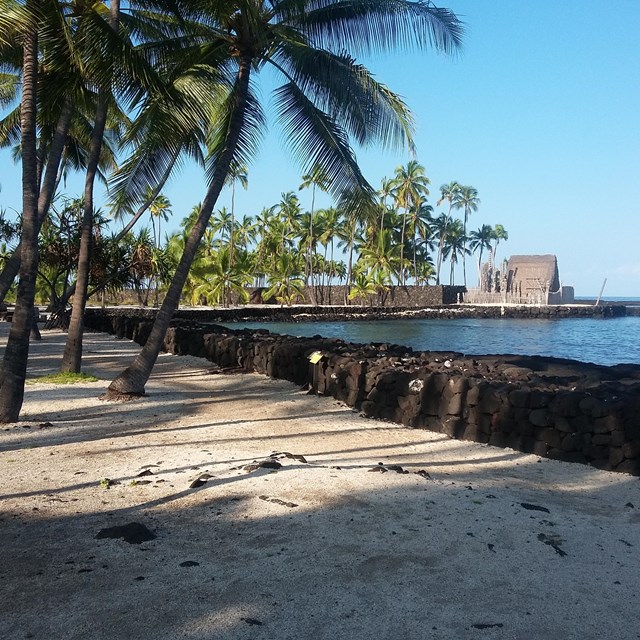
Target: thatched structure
[[535, 278]]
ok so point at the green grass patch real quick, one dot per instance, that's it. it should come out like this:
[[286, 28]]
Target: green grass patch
[[63, 378]]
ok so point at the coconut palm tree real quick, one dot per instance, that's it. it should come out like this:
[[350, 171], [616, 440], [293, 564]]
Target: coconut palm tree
[[321, 89], [219, 280], [499, 233], [466, 198], [410, 189], [362, 287], [285, 278], [479, 241], [419, 230], [72, 356], [316, 179], [14, 363], [448, 193], [238, 174], [455, 246]]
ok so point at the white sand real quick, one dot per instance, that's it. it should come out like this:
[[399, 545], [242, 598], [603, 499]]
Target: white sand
[[362, 555]]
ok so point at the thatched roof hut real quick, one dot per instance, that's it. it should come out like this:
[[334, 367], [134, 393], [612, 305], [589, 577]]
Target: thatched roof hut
[[534, 277]]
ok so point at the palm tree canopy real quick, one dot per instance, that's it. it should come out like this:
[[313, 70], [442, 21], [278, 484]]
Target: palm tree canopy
[[410, 185], [325, 97]]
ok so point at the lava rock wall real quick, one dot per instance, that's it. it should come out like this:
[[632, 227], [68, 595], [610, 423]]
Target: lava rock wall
[[562, 409]]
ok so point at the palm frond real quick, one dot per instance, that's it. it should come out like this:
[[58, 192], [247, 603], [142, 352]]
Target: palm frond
[[10, 128], [367, 109], [316, 140], [250, 135], [373, 26]]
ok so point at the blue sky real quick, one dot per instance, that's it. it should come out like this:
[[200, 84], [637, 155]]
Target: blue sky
[[540, 112]]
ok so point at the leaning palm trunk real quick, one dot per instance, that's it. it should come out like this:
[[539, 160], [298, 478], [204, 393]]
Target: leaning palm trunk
[[49, 183], [72, 357], [14, 364], [132, 380]]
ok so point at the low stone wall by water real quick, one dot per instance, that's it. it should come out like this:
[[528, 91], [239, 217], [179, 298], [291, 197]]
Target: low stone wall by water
[[560, 409], [301, 313]]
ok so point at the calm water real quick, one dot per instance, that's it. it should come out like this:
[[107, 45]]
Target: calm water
[[610, 341]]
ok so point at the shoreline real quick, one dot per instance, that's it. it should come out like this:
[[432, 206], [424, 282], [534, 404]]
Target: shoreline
[[341, 313]]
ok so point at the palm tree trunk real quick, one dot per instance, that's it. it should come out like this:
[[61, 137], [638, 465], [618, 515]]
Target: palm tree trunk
[[72, 357], [14, 363], [404, 226], [132, 380], [311, 289], [443, 236], [464, 248], [12, 266]]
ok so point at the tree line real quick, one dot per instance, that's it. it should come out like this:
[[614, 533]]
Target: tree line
[[128, 94]]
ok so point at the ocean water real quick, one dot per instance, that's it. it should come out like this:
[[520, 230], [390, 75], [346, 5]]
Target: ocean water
[[608, 341]]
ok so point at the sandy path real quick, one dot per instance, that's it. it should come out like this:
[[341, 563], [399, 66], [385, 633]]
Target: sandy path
[[362, 554]]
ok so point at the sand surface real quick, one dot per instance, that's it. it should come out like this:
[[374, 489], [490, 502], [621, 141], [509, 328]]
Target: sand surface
[[484, 543]]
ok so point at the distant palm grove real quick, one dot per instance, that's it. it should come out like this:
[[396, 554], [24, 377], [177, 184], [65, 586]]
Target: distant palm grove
[[127, 93], [283, 249]]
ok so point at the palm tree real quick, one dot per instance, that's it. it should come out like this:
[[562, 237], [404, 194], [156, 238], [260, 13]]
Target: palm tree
[[285, 279], [420, 230], [238, 173], [219, 280], [57, 74], [14, 363], [72, 356], [499, 233], [455, 246], [411, 187], [362, 287], [384, 256], [159, 209], [479, 241], [320, 90], [386, 190], [466, 198], [316, 179], [448, 193], [330, 221]]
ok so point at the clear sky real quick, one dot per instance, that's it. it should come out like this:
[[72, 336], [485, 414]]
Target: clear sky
[[540, 113]]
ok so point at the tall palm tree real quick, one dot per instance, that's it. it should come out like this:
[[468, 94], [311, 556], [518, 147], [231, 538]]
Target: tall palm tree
[[58, 91], [479, 241], [420, 230], [410, 189], [321, 89], [316, 179], [466, 198], [238, 174], [455, 246], [72, 356], [14, 363], [159, 209], [385, 191], [499, 233], [448, 193]]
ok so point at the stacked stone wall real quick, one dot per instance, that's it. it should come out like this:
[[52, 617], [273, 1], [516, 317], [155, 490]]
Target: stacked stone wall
[[560, 409], [409, 296]]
